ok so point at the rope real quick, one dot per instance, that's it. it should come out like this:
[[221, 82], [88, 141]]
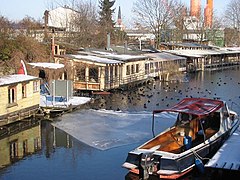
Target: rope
[[198, 156]]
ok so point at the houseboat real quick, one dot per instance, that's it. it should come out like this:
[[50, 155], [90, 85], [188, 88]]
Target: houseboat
[[20, 97], [201, 126]]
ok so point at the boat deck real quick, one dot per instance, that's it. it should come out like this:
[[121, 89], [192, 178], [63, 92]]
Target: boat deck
[[228, 156]]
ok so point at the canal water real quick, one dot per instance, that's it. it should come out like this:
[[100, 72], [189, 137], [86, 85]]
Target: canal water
[[93, 143]]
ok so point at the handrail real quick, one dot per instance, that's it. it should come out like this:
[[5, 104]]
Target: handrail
[[153, 125]]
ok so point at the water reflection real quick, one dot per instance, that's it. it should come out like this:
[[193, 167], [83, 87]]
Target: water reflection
[[18, 141]]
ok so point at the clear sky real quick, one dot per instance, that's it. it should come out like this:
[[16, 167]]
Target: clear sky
[[18, 9]]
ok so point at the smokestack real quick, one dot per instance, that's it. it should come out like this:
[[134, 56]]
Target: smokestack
[[195, 8], [208, 14]]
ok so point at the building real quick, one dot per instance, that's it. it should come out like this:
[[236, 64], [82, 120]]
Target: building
[[60, 18], [119, 24], [102, 71], [198, 60], [20, 97], [163, 64]]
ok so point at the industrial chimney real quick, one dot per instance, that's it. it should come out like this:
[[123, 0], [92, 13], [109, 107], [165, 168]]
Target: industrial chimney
[[208, 14], [195, 8]]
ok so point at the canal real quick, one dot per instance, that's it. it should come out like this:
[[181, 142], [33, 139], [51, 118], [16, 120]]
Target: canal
[[93, 143]]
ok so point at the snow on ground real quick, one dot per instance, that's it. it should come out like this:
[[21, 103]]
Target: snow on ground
[[46, 101]]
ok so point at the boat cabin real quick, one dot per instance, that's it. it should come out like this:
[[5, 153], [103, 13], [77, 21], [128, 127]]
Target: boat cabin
[[192, 127], [188, 131]]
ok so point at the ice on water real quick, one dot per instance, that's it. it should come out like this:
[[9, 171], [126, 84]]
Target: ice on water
[[105, 129]]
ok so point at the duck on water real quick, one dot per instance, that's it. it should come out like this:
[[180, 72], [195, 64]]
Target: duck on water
[[201, 126]]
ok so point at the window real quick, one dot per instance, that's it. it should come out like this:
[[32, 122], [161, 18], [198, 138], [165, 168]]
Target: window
[[13, 150], [36, 144], [80, 74], [24, 90], [93, 74], [137, 68], [128, 70], [35, 86], [12, 95], [116, 71], [25, 147], [146, 68], [132, 69]]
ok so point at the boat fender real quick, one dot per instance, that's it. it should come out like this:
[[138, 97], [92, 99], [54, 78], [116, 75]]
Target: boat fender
[[187, 141], [199, 165]]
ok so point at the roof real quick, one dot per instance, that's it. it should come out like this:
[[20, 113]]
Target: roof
[[121, 57], [47, 65], [95, 59], [195, 106], [200, 53], [187, 44], [16, 78], [194, 53], [165, 56]]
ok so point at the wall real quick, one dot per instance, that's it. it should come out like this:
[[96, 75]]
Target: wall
[[32, 98]]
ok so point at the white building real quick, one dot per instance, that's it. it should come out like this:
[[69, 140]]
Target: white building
[[193, 29], [61, 18]]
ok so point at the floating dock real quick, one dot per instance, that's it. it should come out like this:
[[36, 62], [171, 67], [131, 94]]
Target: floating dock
[[227, 159]]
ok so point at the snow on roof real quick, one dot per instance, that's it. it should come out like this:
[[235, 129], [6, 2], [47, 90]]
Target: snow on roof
[[194, 53], [47, 65], [16, 78], [96, 59], [164, 56], [120, 57], [200, 53], [231, 48], [125, 57]]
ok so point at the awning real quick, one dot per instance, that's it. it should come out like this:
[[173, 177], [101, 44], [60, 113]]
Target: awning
[[195, 106]]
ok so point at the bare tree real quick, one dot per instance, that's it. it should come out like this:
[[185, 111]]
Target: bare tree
[[85, 23], [157, 15], [232, 16]]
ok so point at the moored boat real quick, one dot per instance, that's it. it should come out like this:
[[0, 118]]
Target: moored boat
[[201, 126]]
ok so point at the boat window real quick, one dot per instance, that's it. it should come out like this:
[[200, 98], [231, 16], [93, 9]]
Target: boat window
[[183, 119], [211, 121], [225, 112]]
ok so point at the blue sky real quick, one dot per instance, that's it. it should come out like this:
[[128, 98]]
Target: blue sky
[[18, 9]]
